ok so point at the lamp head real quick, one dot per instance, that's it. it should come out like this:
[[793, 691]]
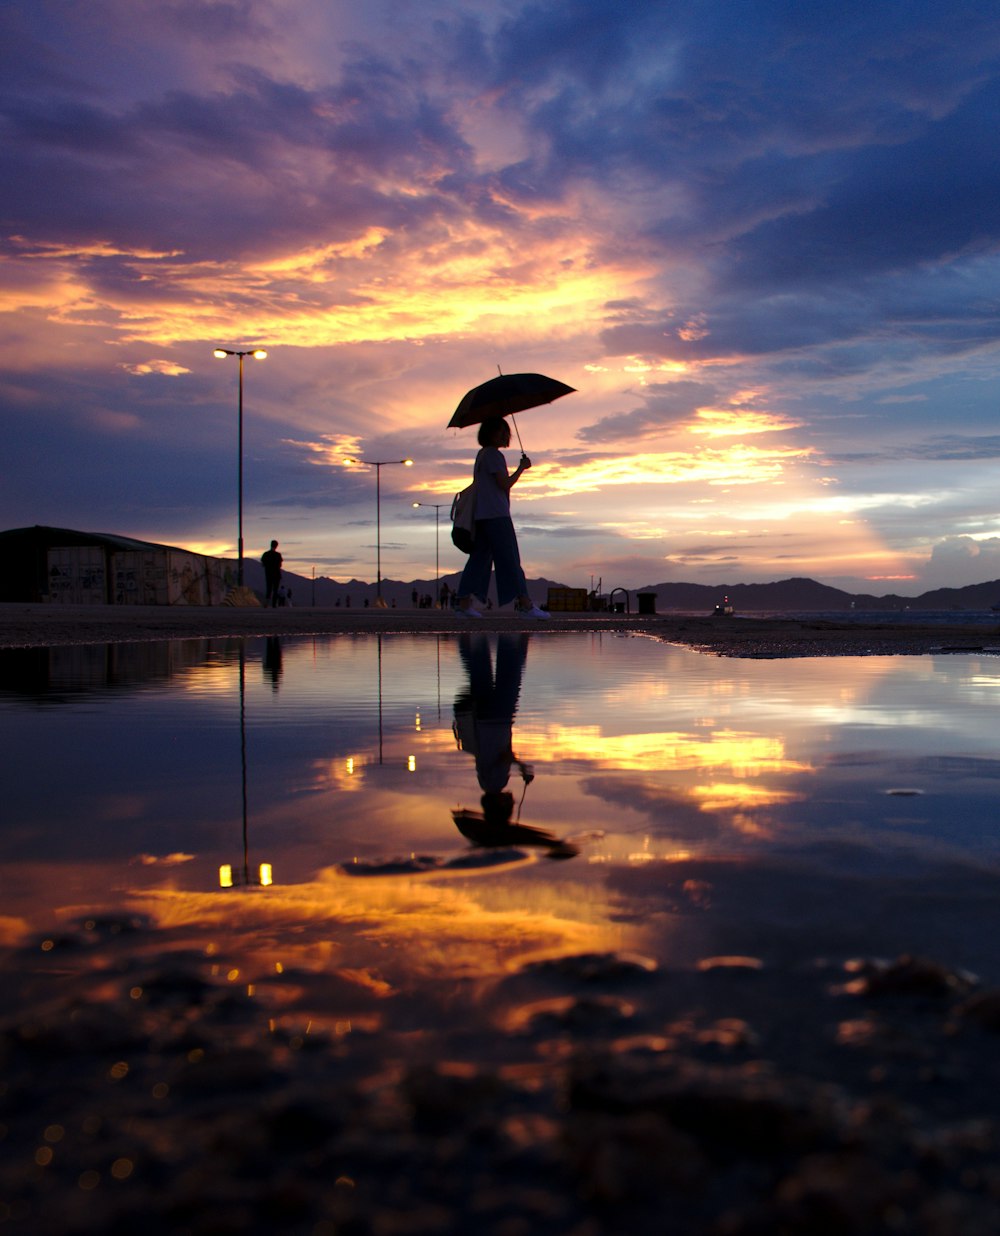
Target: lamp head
[[221, 353]]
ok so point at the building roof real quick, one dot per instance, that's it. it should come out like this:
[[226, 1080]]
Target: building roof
[[43, 535]]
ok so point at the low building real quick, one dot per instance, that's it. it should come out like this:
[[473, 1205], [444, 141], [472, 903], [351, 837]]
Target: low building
[[63, 566]]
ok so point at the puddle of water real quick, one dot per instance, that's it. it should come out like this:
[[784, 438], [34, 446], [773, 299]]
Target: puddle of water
[[497, 796], [557, 934]]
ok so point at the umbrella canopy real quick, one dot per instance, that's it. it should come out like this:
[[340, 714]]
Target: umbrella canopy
[[505, 395]]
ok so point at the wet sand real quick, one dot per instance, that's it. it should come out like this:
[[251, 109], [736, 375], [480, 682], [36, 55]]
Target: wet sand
[[151, 1084], [164, 1077], [26, 625]]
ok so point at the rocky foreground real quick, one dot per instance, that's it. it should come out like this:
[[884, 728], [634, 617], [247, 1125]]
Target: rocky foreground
[[155, 1089]]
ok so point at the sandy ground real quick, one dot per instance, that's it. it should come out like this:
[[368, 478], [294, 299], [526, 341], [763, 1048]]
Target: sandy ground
[[150, 1083], [23, 626], [146, 1086]]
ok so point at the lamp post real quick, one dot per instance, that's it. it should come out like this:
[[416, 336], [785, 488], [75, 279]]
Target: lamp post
[[257, 354], [438, 508], [378, 465]]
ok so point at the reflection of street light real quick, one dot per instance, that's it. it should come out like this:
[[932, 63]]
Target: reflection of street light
[[257, 354], [378, 465], [228, 876], [438, 507]]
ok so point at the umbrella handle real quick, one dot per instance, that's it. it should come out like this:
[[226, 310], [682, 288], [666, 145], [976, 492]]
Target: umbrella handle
[[524, 791], [518, 432]]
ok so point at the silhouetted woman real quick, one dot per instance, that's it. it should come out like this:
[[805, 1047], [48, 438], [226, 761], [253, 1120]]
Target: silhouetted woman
[[496, 543]]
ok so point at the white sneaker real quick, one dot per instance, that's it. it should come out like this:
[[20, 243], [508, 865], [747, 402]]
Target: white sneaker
[[535, 612]]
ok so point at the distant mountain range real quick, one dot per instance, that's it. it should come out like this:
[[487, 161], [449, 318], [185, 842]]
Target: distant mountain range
[[783, 595]]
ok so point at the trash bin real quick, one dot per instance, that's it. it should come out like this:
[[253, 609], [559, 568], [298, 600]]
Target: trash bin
[[647, 602]]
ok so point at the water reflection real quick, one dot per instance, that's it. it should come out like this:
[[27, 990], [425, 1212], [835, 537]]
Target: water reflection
[[484, 728], [260, 876], [52, 675], [160, 759], [452, 1003], [272, 660]]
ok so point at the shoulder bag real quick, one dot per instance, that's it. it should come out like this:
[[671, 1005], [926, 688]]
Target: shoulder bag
[[463, 515]]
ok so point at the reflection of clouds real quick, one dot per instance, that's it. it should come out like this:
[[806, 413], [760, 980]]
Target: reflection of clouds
[[349, 771], [788, 908], [731, 796], [695, 816], [745, 754], [404, 928], [109, 808], [13, 931]]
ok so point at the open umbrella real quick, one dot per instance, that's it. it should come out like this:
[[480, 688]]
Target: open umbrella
[[505, 395]]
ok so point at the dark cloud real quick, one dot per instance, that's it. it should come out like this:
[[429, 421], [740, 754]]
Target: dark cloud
[[667, 810], [266, 162], [935, 198], [556, 530], [806, 161], [729, 331], [665, 404], [940, 449]]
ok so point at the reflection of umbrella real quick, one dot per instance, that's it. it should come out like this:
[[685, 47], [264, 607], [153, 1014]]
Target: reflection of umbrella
[[490, 830], [505, 395]]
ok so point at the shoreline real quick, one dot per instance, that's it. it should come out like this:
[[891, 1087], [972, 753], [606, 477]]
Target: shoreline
[[28, 625]]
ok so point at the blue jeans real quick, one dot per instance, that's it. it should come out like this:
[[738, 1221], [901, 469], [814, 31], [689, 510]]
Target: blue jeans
[[496, 546]]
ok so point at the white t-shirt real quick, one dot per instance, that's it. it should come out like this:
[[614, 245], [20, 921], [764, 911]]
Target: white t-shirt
[[491, 501]]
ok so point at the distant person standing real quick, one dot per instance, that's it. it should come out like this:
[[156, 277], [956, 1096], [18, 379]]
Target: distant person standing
[[271, 561]]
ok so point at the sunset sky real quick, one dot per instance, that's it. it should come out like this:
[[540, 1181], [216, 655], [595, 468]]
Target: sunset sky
[[760, 238]]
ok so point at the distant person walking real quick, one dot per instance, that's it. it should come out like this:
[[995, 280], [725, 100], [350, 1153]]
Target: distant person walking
[[496, 543], [271, 561]]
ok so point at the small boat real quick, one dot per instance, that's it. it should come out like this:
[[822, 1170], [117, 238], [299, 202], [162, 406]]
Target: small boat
[[723, 610]]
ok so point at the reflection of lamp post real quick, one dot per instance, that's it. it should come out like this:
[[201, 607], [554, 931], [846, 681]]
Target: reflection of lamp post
[[257, 354], [378, 465], [229, 878], [355, 764], [438, 507]]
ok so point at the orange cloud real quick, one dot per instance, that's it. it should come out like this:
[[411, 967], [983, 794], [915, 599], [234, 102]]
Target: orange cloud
[[732, 423]]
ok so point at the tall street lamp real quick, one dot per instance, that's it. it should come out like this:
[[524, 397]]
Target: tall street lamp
[[378, 465], [257, 354], [438, 508]]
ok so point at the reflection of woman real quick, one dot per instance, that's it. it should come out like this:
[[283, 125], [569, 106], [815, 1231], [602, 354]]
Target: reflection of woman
[[495, 543], [484, 722], [486, 713], [495, 828]]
